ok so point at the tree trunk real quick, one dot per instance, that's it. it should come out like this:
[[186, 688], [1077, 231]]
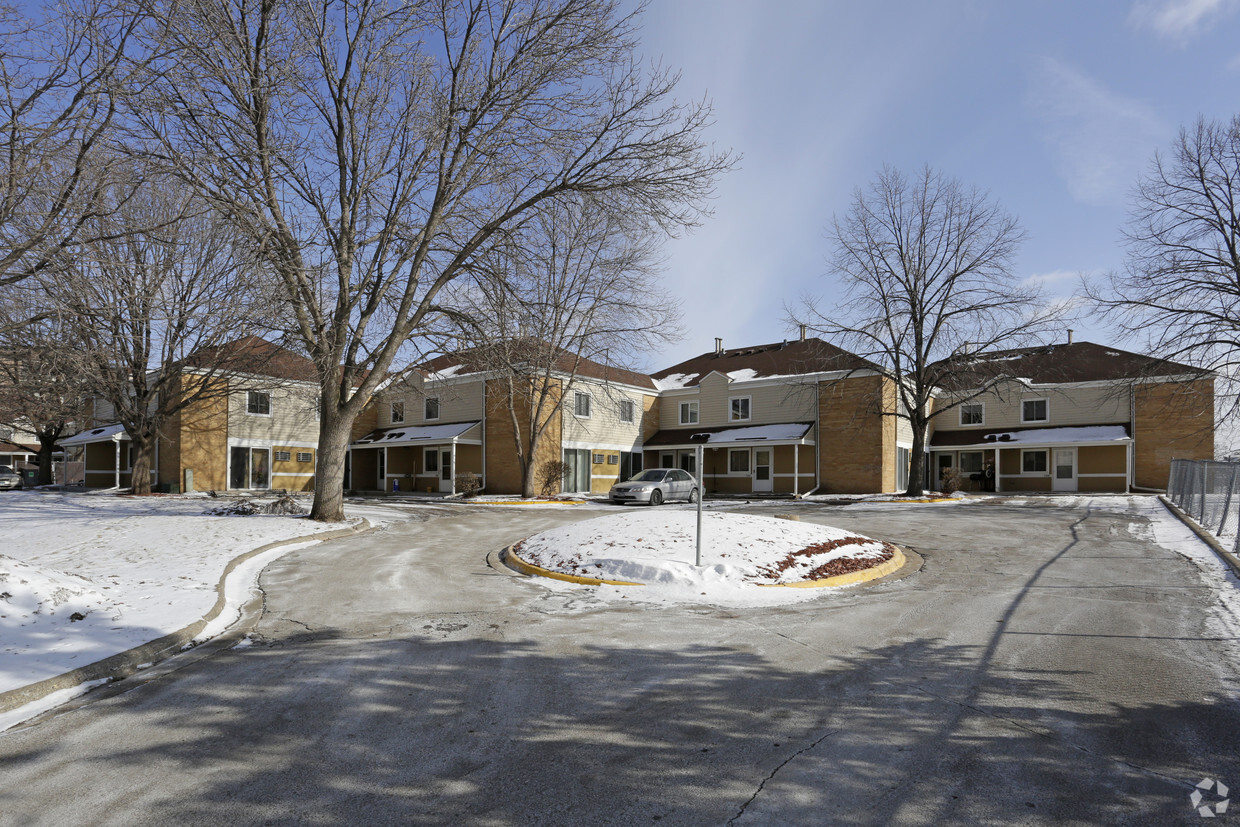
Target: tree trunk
[[334, 432], [140, 478], [917, 460], [46, 449]]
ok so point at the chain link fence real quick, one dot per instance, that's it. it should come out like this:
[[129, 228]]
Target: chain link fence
[[1209, 492]]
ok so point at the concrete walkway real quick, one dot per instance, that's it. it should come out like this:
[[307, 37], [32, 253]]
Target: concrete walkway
[[1047, 665]]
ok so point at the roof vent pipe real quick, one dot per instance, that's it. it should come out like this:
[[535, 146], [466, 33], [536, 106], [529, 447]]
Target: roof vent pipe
[[802, 333], [1069, 335], [718, 346]]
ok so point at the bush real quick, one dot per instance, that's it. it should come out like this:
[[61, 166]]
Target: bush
[[950, 482], [468, 483], [551, 477]]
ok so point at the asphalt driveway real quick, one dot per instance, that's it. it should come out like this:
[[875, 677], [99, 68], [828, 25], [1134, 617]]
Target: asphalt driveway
[[1046, 665]]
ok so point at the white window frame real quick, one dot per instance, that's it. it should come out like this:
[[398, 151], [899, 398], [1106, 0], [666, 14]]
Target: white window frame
[[430, 456], [981, 462], [627, 411], [732, 400], [690, 406], [577, 397], [249, 395], [981, 421], [426, 409], [1046, 454], [748, 462], [393, 406], [1044, 399]]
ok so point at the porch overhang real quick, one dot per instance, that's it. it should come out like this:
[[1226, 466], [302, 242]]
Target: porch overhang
[[107, 433], [422, 435], [1079, 436], [786, 433]]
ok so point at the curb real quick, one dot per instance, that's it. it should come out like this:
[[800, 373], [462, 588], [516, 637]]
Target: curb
[[510, 558], [123, 664], [1205, 536]]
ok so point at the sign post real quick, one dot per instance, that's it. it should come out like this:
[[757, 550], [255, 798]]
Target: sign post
[[699, 440]]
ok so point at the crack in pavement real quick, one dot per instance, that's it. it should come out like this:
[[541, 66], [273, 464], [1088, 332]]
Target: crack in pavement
[[775, 771]]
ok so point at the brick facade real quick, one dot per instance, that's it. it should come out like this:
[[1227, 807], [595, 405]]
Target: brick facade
[[1171, 420]]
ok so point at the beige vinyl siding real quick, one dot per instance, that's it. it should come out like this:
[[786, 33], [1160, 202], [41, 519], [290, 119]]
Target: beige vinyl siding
[[1066, 406], [292, 418], [603, 427], [768, 403], [458, 402]]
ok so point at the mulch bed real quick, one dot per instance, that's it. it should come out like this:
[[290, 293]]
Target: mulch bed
[[831, 568]]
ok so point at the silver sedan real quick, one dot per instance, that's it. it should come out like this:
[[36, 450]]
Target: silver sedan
[[655, 485]]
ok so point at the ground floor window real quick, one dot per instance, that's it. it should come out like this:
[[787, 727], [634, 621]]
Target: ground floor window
[[1033, 462], [667, 460], [970, 462], [576, 470], [902, 462], [249, 468], [738, 461], [688, 462], [630, 464]]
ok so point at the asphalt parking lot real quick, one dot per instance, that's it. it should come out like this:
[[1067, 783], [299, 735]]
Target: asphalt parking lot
[[1046, 665]]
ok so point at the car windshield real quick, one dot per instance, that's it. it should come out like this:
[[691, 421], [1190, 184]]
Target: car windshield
[[4, 469], [652, 475]]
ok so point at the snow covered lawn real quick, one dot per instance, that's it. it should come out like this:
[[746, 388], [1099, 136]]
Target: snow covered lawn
[[84, 576], [740, 552]]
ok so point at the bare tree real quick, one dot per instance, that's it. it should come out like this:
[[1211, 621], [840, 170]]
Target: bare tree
[[926, 269], [1180, 288], [152, 301], [375, 149], [571, 295], [60, 80], [42, 390]]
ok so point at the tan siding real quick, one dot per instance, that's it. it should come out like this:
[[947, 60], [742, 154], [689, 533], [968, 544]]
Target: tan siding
[[604, 427], [292, 416], [458, 402], [1066, 407], [713, 393]]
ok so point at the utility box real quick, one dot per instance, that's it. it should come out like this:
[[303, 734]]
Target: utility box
[[189, 480]]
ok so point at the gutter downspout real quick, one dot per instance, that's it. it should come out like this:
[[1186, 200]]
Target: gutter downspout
[[117, 439]]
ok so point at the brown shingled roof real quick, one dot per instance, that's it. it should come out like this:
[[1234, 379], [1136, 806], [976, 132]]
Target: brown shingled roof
[[1050, 364], [255, 355], [793, 358], [475, 360]]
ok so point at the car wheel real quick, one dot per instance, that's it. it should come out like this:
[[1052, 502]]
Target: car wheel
[[656, 497], [693, 496]]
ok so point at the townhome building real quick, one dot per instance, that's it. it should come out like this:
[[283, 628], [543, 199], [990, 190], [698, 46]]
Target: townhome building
[[791, 417], [1072, 417], [257, 428], [455, 415]]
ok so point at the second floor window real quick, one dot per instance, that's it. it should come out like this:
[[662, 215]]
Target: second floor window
[[688, 413], [627, 410], [398, 412], [581, 404], [432, 408], [739, 409], [257, 402], [972, 413], [1033, 410]]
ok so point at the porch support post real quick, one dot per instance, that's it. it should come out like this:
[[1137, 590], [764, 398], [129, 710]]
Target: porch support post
[[796, 471], [998, 481], [118, 462], [452, 470], [383, 478]]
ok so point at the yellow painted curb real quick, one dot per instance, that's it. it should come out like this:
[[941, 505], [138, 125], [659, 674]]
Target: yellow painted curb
[[897, 561], [510, 557], [524, 502]]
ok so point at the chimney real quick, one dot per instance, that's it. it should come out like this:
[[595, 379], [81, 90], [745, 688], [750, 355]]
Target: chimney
[[1069, 335], [718, 346], [802, 333]]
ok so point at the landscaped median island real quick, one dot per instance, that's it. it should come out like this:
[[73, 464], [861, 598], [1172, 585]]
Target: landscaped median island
[[649, 556]]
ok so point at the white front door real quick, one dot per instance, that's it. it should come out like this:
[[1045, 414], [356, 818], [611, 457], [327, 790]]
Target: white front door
[[445, 471], [1063, 471], [762, 481]]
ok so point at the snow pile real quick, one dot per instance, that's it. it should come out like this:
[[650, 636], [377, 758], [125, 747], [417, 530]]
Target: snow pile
[[131, 568], [739, 552]]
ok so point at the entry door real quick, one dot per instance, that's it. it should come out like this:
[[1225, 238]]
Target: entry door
[[249, 468], [762, 470], [445, 471], [1064, 476]]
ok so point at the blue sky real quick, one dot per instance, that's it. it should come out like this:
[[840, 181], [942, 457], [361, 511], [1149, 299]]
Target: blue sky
[[1055, 108]]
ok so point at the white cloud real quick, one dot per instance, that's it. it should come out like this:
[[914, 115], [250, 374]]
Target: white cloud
[[1179, 19], [1100, 140], [1053, 278]]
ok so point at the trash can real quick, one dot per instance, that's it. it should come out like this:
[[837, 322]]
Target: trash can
[[30, 477]]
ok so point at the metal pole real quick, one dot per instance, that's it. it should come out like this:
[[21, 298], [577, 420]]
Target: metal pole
[[697, 459]]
